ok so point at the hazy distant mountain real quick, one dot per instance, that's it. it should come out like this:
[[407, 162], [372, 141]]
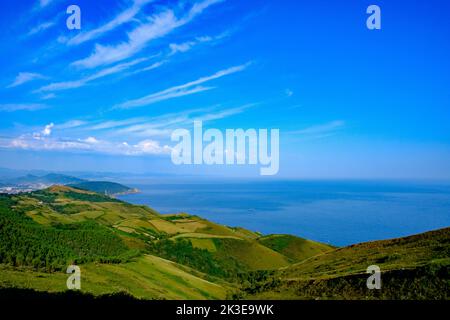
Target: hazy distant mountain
[[51, 178], [7, 174], [32, 182]]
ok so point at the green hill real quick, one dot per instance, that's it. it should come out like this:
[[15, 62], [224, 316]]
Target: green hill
[[103, 187], [414, 267], [407, 252], [32, 221], [133, 249], [294, 248], [147, 277]]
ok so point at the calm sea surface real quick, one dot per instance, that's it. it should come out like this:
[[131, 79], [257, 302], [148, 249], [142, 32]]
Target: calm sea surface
[[336, 212]]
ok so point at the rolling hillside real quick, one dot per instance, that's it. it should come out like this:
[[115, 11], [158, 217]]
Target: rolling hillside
[[294, 248], [148, 277], [133, 249], [414, 267], [135, 234], [408, 252]]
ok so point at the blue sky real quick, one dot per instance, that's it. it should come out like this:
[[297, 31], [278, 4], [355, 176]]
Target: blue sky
[[349, 102]]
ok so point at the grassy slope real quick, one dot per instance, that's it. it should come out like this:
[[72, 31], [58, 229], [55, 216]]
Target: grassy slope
[[294, 248], [250, 254], [148, 277], [235, 249], [235, 243], [407, 252], [414, 267], [320, 272]]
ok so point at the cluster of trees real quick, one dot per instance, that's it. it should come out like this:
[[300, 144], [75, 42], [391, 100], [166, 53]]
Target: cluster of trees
[[428, 282], [183, 252], [101, 187], [89, 197], [49, 198], [253, 282], [24, 242]]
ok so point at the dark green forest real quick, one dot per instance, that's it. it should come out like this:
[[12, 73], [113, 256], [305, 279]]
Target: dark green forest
[[24, 242]]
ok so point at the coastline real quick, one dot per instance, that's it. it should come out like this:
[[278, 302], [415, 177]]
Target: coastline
[[124, 193]]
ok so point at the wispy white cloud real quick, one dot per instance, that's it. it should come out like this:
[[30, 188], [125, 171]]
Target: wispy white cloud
[[57, 86], [321, 129], [150, 67], [41, 27], [122, 18], [11, 107], [48, 96], [145, 135], [188, 45], [162, 126], [221, 114], [111, 124], [70, 124], [157, 26], [44, 3], [24, 77], [157, 97], [181, 47], [181, 90]]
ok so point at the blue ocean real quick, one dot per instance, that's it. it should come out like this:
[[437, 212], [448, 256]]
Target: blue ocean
[[335, 212]]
